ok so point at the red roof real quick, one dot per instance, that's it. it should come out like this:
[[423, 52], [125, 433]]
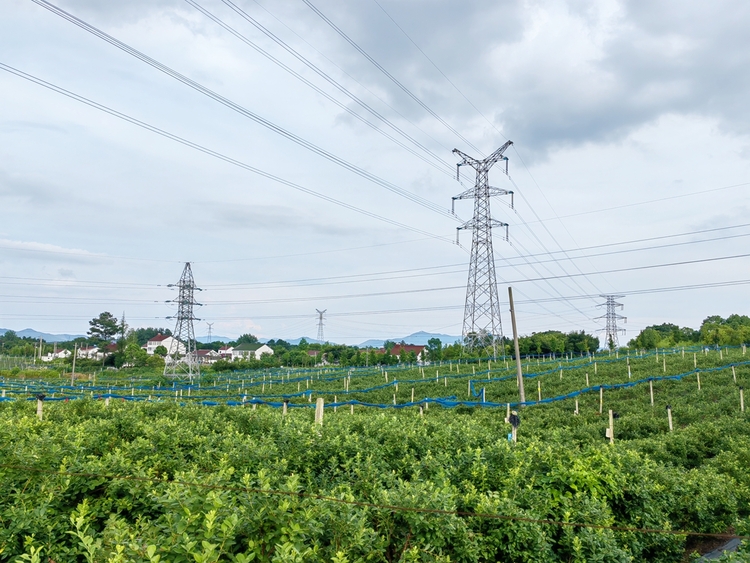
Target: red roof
[[158, 338], [399, 348]]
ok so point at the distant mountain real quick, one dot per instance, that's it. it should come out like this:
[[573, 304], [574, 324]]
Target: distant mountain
[[31, 333], [296, 341], [418, 339], [204, 339]]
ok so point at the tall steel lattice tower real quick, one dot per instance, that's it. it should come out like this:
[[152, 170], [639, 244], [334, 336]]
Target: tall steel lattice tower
[[611, 331], [182, 358], [482, 325], [320, 338]]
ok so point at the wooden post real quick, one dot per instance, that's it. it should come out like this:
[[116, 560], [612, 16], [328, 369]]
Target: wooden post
[[507, 414], [698, 374], [468, 389], [651, 389], [421, 411], [351, 408], [742, 399], [669, 417], [601, 398], [628, 372], [412, 394], [39, 406], [721, 354], [664, 361], [445, 381], [594, 368], [587, 379], [576, 411], [284, 408], [319, 406], [335, 400], [106, 402], [394, 398], [539, 389], [483, 396], [734, 375], [611, 427], [695, 360], [519, 370], [473, 370], [560, 374]]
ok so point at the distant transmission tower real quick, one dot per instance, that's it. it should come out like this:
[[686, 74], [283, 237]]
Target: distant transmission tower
[[320, 338], [210, 325], [482, 325], [610, 330], [182, 358]]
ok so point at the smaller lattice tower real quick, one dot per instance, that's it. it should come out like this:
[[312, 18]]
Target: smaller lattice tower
[[611, 332], [210, 326], [182, 357], [320, 338]]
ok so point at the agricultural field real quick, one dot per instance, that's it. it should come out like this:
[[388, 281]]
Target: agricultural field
[[409, 463]]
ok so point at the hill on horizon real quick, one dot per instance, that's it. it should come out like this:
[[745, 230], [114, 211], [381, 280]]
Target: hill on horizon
[[418, 339]]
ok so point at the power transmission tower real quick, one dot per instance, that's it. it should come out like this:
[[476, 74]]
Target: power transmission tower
[[182, 358], [482, 325], [320, 325], [209, 331], [610, 330]]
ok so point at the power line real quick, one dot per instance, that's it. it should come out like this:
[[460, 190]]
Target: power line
[[208, 151], [456, 88], [648, 201], [371, 276], [325, 76], [388, 74], [315, 149]]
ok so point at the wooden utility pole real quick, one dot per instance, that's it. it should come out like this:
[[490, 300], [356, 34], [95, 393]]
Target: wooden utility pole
[[519, 371]]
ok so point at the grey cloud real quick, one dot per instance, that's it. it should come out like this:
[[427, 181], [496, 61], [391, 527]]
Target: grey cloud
[[653, 59]]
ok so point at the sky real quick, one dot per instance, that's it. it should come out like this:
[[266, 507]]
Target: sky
[[298, 154]]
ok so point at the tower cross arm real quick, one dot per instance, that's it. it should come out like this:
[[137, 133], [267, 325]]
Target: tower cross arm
[[497, 155]]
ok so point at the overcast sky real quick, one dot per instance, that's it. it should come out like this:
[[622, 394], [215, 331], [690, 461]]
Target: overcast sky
[[630, 121]]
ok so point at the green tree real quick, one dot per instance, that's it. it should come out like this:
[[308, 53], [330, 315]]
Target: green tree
[[435, 349], [161, 351], [135, 356], [247, 339], [104, 327]]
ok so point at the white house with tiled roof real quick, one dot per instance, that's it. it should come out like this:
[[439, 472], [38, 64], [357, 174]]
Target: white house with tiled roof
[[162, 340]]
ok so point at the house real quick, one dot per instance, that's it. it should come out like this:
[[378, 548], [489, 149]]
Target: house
[[256, 350], [59, 355], [399, 349], [206, 356], [167, 341], [90, 352], [225, 352]]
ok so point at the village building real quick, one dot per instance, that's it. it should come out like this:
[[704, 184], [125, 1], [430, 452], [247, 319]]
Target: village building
[[244, 351], [166, 341]]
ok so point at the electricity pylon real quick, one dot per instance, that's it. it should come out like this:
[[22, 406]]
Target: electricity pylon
[[482, 325], [181, 357], [210, 326], [320, 325], [610, 330]]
